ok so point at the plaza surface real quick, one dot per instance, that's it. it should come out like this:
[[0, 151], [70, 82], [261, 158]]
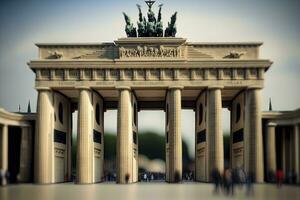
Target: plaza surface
[[143, 191]]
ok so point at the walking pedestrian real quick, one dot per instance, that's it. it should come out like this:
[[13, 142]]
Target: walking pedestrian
[[216, 177], [279, 177], [249, 182]]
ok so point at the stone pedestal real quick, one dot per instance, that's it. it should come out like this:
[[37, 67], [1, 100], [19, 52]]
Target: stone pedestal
[[215, 131], [124, 137], [174, 135], [271, 151], [4, 151], [85, 138], [44, 137], [253, 135]]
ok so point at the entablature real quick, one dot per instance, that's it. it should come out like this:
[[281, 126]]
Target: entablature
[[232, 77]]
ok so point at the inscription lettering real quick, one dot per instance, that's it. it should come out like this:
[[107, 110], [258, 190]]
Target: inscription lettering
[[146, 51]]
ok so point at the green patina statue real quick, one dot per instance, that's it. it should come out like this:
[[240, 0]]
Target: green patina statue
[[129, 28], [171, 30], [152, 27]]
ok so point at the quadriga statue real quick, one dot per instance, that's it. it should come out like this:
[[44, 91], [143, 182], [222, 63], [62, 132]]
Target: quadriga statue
[[152, 27]]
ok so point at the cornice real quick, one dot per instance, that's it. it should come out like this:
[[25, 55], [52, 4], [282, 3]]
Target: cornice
[[225, 44], [72, 45], [281, 114], [16, 116], [149, 40]]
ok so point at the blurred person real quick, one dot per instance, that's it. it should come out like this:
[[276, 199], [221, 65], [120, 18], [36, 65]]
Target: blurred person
[[271, 177], [216, 178], [294, 177], [289, 177], [177, 177], [279, 177], [236, 179], [249, 183], [127, 178], [191, 176], [242, 176], [227, 181], [2, 177]]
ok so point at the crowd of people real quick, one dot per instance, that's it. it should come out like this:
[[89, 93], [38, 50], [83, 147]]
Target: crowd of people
[[227, 181], [231, 178], [150, 176]]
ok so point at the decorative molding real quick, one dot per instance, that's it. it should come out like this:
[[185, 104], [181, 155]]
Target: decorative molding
[[148, 74], [55, 55], [234, 55]]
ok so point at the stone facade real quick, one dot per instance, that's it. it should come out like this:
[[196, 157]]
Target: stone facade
[[147, 71], [133, 74]]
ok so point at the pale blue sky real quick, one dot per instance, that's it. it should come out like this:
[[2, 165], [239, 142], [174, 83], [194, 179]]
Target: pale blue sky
[[274, 22]]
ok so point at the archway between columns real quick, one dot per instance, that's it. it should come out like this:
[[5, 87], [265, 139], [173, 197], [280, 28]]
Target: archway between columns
[[151, 140]]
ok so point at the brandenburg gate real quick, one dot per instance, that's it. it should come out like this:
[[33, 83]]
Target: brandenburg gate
[[150, 69]]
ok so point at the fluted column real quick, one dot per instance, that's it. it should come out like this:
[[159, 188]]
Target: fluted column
[[271, 151], [44, 137], [84, 138], [253, 134], [124, 137], [215, 131], [175, 141], [4, 151], [25, 154]]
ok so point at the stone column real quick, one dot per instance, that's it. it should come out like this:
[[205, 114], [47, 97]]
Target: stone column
[[25, 154], [4, 151], [215, 131], [124, 137], [271, 151], [84, 137], [69, 143], [253, 135], [296, 152], [175, 141], [44, 137]]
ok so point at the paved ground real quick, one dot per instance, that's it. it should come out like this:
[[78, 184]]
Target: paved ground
[[143, 191]]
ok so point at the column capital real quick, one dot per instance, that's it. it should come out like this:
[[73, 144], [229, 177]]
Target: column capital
[[215, 87], [175, 87], [83, 88], [123, 87], [43, 88]]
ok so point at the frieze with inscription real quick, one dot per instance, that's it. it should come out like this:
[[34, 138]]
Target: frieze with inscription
[[152, 52]]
